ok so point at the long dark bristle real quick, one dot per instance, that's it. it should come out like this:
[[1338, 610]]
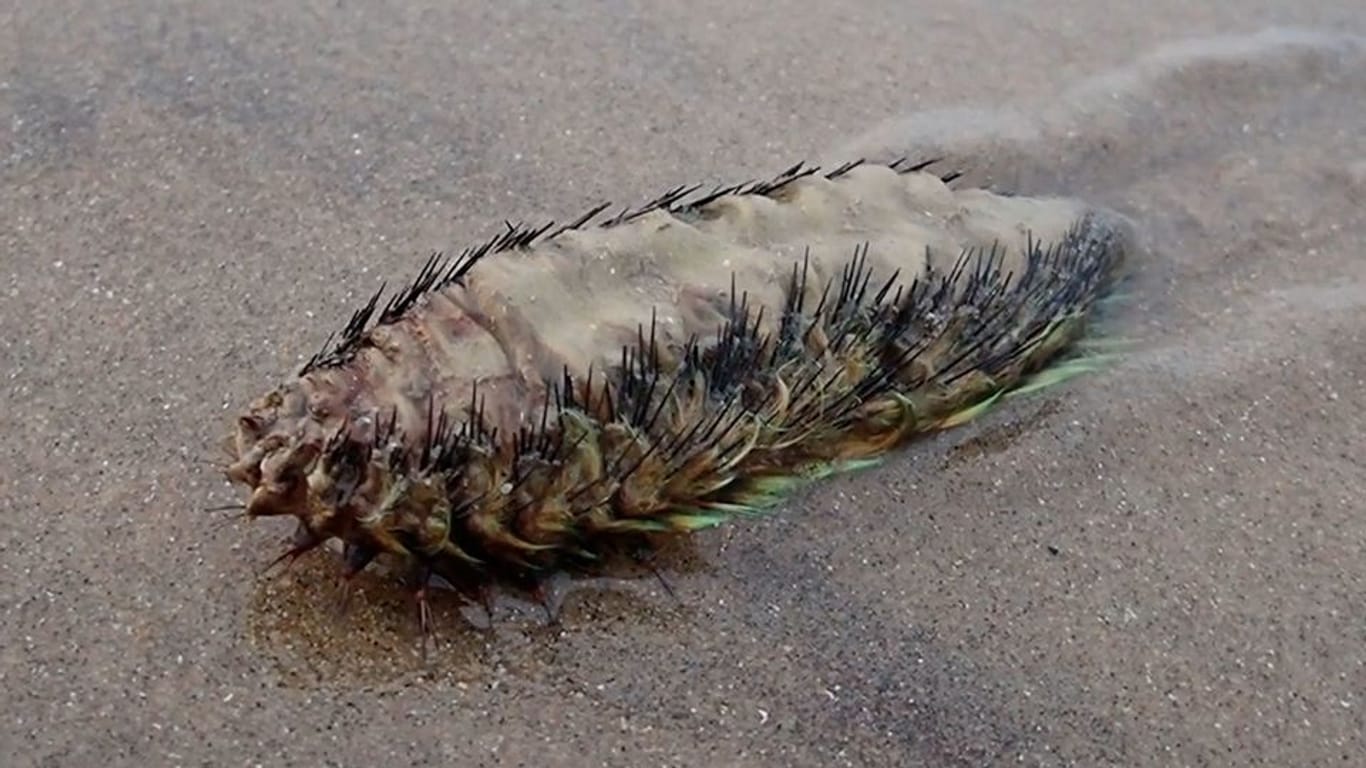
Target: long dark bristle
[[439, 271]]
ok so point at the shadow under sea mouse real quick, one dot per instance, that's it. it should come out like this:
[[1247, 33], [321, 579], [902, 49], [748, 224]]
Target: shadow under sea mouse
[[528, 404]]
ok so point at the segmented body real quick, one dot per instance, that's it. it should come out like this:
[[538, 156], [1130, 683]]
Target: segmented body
[[525, 403]]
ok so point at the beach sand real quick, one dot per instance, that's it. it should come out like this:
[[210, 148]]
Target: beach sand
[[1161, 564]]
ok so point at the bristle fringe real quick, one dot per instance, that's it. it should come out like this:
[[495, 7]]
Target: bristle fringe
[[441, 271]]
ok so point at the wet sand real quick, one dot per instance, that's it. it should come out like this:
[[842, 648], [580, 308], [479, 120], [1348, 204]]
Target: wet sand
[[1158, 565]]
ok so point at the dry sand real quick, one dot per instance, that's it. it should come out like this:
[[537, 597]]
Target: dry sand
[[1160, 565]]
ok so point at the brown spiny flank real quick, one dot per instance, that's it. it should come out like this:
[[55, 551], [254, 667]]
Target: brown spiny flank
[[527, 405]]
